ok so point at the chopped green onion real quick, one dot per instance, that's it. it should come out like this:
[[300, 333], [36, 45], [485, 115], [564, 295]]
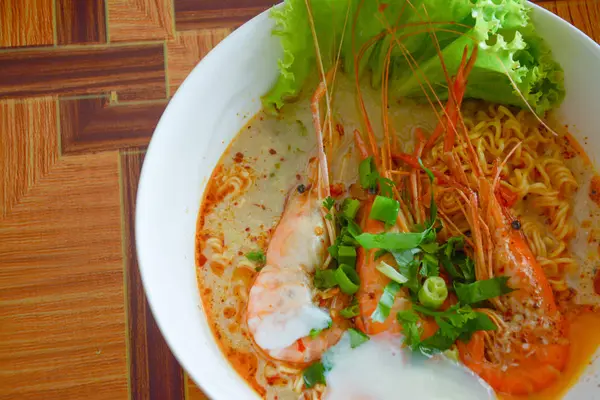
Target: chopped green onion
[[350, 208], [385, 187], [325, 279], [357, 338], [333, 250], [433, 206], [347, 255], [405, 257], [367, 173], [347, 279], [354, 229], [433, 293], [385, 209], [314, 374], [386, 302], [482, 290], [391, 272], [257, 256]]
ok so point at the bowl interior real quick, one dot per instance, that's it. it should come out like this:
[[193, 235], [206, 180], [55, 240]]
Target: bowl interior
[[212, 105]]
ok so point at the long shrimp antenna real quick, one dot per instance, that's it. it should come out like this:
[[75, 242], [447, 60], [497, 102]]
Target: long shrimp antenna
[[321, 90], [503, 164], [328, 115]]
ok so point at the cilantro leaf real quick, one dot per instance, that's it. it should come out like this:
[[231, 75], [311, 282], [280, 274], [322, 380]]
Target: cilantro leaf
[[480, 323], [475, 292], [257, 256], [328, 202], [455, 261], [436, 343], [454, 323], [430, 265], [409, 270], [314, 374], [391, 240], [408, 319]]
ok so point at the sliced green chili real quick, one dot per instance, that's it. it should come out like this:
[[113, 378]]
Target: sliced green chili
[[433, 293]]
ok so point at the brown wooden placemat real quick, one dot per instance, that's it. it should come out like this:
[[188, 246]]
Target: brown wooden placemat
[[82, 85]]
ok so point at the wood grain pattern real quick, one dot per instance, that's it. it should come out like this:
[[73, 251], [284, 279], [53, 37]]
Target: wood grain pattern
[[62, 317], [28, 147], [586, 16], [81, 70], [187, 49], [194, 14], [94, 124], [133, 20], [26, 23], [79, 22], [154, 371]]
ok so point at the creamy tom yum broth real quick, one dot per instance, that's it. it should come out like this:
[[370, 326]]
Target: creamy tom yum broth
[[404, 219]]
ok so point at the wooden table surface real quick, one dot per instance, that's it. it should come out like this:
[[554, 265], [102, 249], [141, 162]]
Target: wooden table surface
[[82, 85]]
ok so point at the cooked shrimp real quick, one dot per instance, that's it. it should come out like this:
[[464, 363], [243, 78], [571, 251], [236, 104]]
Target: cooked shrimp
[[529, 350], [281, 310], [372, 283]]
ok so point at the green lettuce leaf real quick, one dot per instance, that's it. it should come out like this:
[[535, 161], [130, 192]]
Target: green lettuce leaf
[[507, 41]]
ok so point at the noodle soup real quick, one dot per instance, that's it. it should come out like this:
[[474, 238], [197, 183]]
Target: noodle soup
[[448, 241]]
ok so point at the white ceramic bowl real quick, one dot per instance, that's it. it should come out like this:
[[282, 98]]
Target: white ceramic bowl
[[212, 105]]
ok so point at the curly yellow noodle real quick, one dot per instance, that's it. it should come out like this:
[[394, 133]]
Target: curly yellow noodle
[[233, 181], [536, 173]]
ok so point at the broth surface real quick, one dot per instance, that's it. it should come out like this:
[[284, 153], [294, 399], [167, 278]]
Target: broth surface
[[246, 195]]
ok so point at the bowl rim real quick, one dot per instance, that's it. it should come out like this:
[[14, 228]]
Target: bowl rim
[[153, 156]]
